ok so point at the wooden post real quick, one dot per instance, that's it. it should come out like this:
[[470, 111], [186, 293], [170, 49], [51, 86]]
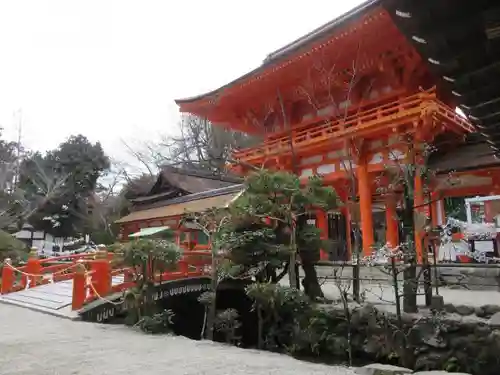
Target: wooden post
[[79, 287], [365, 207], [101, 277], [184, 267], [322, 225], [7, 276], [488, 212], [33, 267]]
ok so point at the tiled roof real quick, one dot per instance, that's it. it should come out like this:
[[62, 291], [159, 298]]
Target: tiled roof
[[465, 157], [193, 181], [185, 205]]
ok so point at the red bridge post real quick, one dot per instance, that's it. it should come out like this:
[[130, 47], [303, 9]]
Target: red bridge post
[[183, 267], [33, 267], [101, 276], [79, 286], [7, 277]]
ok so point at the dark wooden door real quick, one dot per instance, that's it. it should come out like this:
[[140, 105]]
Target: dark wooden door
[[337, 235]]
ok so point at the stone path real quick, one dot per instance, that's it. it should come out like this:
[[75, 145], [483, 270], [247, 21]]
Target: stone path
[[32, 343]]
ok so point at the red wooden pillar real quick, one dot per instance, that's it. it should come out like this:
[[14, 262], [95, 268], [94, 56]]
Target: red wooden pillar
[[365, 207], [183, 267], [79, 287], [488, 212], [391, 219], [322, 225], [7, 277], [178, 234], [33, 267], [101, 276]]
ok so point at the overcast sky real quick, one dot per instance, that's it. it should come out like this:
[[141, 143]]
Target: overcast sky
[[111, 69]]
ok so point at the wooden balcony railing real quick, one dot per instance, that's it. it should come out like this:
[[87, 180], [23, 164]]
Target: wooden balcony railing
[[387, 117]]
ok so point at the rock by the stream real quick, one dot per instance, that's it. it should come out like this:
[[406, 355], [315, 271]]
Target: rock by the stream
[[382, 369], [464, 310], [495, 319]]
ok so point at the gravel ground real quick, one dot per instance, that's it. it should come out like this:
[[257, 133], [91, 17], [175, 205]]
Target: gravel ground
[[32, 343]]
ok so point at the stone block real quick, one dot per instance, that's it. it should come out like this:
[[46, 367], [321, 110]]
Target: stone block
[[382, 369], [437, 303], [464, 310], [495, 319], [491, 309], [450, 308]]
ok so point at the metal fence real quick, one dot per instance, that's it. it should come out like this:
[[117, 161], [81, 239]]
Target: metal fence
[[468, 284]]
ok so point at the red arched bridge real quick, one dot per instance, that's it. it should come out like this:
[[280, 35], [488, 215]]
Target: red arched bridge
[[72, 285]]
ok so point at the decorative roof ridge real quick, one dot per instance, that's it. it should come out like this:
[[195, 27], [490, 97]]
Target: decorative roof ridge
[[146, 198], [195, 196], [199, 173], [317, 33]]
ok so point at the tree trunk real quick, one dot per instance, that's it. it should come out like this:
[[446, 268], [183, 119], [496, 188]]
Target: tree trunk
[[310, 282], [356, 277], [410, 288], [212, 308], [292, 270], [409, 258]]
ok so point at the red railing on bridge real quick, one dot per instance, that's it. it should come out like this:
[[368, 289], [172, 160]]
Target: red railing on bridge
[[92, 273]]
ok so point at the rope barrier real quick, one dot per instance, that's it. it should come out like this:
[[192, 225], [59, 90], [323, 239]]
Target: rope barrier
[[40, 275], [88, 280]]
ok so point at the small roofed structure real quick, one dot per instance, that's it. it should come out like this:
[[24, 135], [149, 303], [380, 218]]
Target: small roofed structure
[[178, 192], [177, 182]]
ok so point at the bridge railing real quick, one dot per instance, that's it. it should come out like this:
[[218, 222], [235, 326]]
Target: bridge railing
[[98, 283], [38, 271], [92, 273]]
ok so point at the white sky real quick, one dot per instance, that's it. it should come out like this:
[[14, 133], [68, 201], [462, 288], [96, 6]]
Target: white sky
[[110, 69]]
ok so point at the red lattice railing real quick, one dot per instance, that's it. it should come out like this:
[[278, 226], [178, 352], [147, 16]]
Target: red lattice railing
[[404, 111]]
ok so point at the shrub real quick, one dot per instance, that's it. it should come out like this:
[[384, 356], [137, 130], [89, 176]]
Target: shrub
[[227, 323], [11, 247], [281, 312], [157, 323]]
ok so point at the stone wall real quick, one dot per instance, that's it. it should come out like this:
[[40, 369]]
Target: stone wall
[[467, 340]]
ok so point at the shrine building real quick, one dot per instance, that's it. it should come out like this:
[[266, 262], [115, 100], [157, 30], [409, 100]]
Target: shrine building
[[377, 87], [177, 192]]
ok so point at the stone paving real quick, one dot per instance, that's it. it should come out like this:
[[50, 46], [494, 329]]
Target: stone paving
[[32, 343]]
